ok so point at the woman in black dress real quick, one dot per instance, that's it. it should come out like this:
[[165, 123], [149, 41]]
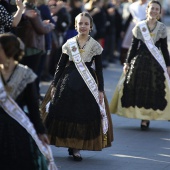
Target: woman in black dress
[[144, 91], [17, 148], [74, 119]]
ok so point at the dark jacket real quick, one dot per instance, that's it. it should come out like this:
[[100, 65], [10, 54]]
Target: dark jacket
[[32, 31]]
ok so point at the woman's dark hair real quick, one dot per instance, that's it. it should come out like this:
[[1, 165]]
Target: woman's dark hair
[[86, 14], [155, 2], [12, 46]]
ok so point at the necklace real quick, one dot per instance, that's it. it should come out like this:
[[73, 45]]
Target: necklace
[[151, 29], [81, 49]]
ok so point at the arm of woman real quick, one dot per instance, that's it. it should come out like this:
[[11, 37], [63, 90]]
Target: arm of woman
[[99, 74], [131, 54], [32, 101], [39, 26], [18, 14], [132, 50], [165, 52]]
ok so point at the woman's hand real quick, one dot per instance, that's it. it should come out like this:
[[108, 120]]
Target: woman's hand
[[44, 139], [53, 91], [19, 4], [168, 70], [101, 97], [125, 68]]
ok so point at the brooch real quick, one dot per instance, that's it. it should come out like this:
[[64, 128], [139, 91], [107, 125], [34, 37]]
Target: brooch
[[144, 29], [74, 48]]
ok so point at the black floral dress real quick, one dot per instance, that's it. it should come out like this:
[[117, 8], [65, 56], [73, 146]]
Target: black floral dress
[[5, 19], [18, 149]]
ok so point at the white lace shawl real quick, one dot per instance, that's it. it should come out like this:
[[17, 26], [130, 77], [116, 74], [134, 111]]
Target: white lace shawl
[[91, 49], [21, 76], [160, 31]]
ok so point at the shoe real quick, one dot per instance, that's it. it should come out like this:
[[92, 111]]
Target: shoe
[[70, 151], [77, 157], [145, 127], [75, 153]]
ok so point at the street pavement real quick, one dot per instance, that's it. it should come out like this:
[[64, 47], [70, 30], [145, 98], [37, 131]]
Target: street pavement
[[132, 148]]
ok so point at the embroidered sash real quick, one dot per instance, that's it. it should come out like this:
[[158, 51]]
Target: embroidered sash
[[153, 49], [88, 79], [13, 110]]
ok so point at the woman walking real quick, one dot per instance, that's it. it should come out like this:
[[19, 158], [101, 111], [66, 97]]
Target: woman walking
[[75, 120], [143, 92]]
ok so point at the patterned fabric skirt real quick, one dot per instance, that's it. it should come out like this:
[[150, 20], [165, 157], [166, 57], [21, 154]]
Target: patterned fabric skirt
[[74, 118], [143, 93]]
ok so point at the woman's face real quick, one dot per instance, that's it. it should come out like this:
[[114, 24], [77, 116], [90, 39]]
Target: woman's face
[[3, 56], [154, 11], [83, 25]]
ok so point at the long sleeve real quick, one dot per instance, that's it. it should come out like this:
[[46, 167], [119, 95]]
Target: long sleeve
[[60, 68], [39, 26], [165, 52], [32, 102], [99, 72], [132, 50]]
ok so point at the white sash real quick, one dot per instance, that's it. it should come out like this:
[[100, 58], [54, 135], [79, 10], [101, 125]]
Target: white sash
[[14, 111], [89, 80], [153, 49]]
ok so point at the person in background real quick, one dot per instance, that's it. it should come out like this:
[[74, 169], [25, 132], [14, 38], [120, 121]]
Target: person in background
[[74, 8], [18, 149], [96, 10], [143, 92], [99, 17], [75, 120], [59, 10], [137, 11], [43, 71], [109, 40], [118, 27], [126, 21], [32, 32], [7, 21]]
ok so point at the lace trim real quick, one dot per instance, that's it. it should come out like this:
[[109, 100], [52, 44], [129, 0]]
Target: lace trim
[[91, 49], [21, 77], [160, 31]]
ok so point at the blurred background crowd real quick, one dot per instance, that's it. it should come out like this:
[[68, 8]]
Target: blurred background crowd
[[45, 25]]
